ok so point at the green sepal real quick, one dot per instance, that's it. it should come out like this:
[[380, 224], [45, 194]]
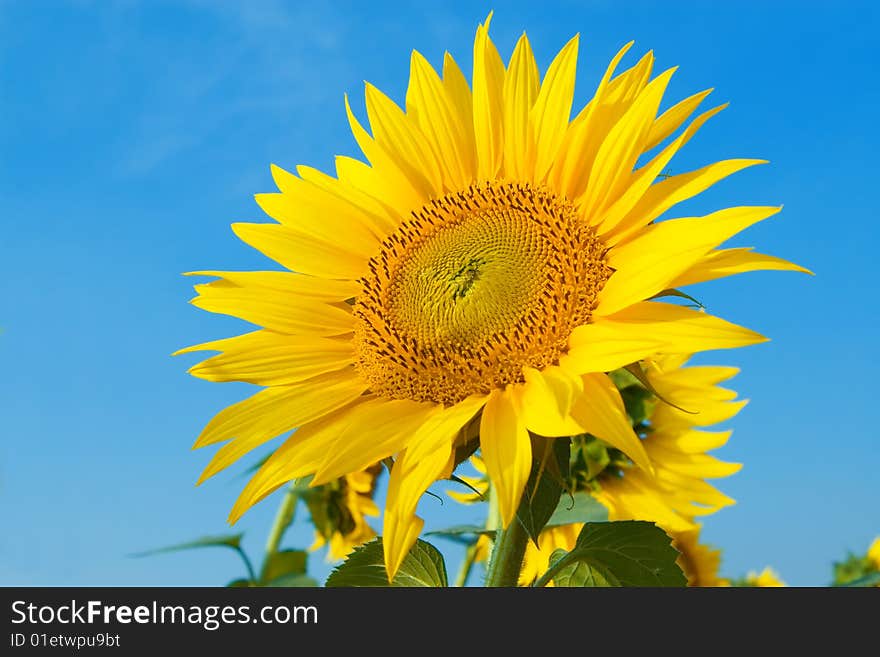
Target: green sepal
[[544, 487], [672, 292]]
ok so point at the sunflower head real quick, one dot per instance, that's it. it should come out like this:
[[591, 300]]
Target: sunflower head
[[874, 553], [475, 287], [766, 578], [339, 511], [699, 562], [495, 256]]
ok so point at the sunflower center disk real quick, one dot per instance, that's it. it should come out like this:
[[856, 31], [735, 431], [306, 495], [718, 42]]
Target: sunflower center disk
[[474, 287]]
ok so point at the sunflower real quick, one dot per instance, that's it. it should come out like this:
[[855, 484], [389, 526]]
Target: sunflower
[[874, 553], [490, 263], [699, 562], [684, 398], [767, 578], [339, 511], [537, 557], [478, 485], [677, 447]]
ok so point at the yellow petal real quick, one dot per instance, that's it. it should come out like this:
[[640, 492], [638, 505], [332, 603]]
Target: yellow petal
[[487, 102], [571, 169], [701, 466], [727, 262], [425, 460], [644, 177], [375, 215], [618, 92], [646, 328], [687, 330], [398, 135], [390, 182], [547, 399], [373, 431], [600, 411], [289, 284], [637, 497], [398, 199], [701, 413], [521, 85], [620, 150], [273, 411], [671, 119], [506, 449], [626, 87], [550, 115], [604, 346], [666, 193], [698, 377], [691, 441], [271, 359], [693, 497], [436, 115], [381, 426], [260, 302], [400, 535], [649, 262], [301, 253], [459, 95], [299, 456], [311, 210]]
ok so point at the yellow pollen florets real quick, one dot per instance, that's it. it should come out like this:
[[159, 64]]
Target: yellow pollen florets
[[475, 286]]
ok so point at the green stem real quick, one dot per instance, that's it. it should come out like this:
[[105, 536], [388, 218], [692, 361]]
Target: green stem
[[464, 571], [505, 562], [252, 576], [552, 571], [283, 520]]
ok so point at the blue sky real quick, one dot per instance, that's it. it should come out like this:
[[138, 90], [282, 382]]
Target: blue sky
[[133, 133]]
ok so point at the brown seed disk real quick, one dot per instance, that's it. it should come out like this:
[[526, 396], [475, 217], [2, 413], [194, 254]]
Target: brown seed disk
[[475, 286]]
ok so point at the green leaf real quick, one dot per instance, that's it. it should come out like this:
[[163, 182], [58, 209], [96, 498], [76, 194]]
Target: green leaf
[[461, 530], [623, 379], [639, 403], [578, 574], [624, 553], [423, 566], [292, 580], [577, 508], [544, 487], [240, 584], [231, 541], [871, 579], [854, 567], [589, 458], [285, 562]]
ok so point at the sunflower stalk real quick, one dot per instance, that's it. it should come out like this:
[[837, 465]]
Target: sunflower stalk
[[467, 564], [283, 519], [509, 548]]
